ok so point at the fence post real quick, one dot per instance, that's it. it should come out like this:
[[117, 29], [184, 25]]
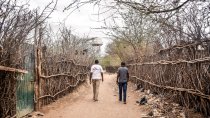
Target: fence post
[[37, 85], [36, 81], [135, 72], [39, 75]]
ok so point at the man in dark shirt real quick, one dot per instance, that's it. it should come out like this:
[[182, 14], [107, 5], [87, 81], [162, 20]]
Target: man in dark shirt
[[122, 79]]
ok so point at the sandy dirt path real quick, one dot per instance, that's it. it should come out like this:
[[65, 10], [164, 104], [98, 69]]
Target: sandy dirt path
[[79, 104]]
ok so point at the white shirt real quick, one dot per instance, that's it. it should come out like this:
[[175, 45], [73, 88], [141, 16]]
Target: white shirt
[[96, 71]]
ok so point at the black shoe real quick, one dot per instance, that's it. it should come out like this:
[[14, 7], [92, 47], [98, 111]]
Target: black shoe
[[124, 102]]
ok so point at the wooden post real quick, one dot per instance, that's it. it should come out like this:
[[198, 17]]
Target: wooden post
[[38, 75], [39, 56], [37, 79], [135, 72], [36, 83]]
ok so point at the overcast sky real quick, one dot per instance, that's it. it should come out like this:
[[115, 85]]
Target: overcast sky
[[81, 21]]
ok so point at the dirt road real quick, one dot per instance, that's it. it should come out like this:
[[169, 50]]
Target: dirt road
[[80, 104]]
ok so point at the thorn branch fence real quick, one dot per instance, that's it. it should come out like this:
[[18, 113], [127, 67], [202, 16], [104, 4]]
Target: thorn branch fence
[[181, 73]]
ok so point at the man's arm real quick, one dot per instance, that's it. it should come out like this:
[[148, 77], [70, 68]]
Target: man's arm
[[118, 75], [128, 76], [91, 77], [91, 73], [102, 75]]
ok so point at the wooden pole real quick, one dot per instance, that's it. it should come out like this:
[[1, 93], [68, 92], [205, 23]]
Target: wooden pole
[[36, 83], [4, 68], [38, 77], [39, 55]]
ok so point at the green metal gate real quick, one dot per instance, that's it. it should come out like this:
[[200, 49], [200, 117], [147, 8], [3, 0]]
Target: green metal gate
[[25, 87]]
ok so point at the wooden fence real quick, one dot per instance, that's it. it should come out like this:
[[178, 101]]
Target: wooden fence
[[111, 69], [181, 73], [57, 76], [52, 79], [7, 96], [8, 88], [59, 79]]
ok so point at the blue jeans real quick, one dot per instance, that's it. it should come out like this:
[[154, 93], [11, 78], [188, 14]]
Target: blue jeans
[[122, 87]]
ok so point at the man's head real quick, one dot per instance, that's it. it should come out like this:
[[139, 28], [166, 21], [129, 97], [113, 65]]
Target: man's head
[[96, 61], [123, 64]]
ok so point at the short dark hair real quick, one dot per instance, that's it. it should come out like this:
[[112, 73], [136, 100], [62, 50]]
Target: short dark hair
[[96, 61], [122, 63]]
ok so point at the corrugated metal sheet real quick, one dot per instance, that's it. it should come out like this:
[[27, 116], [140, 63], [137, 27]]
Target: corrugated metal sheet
[[25, 87]]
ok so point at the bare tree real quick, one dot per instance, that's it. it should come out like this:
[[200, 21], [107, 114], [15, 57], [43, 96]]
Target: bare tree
[[17, 24]]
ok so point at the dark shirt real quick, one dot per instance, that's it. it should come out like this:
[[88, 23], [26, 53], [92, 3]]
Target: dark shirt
[[123, 74]]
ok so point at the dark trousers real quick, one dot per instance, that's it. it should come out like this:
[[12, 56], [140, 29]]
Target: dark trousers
[[122, 87]]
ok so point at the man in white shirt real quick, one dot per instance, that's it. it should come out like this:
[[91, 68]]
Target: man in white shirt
[[96, 74]]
